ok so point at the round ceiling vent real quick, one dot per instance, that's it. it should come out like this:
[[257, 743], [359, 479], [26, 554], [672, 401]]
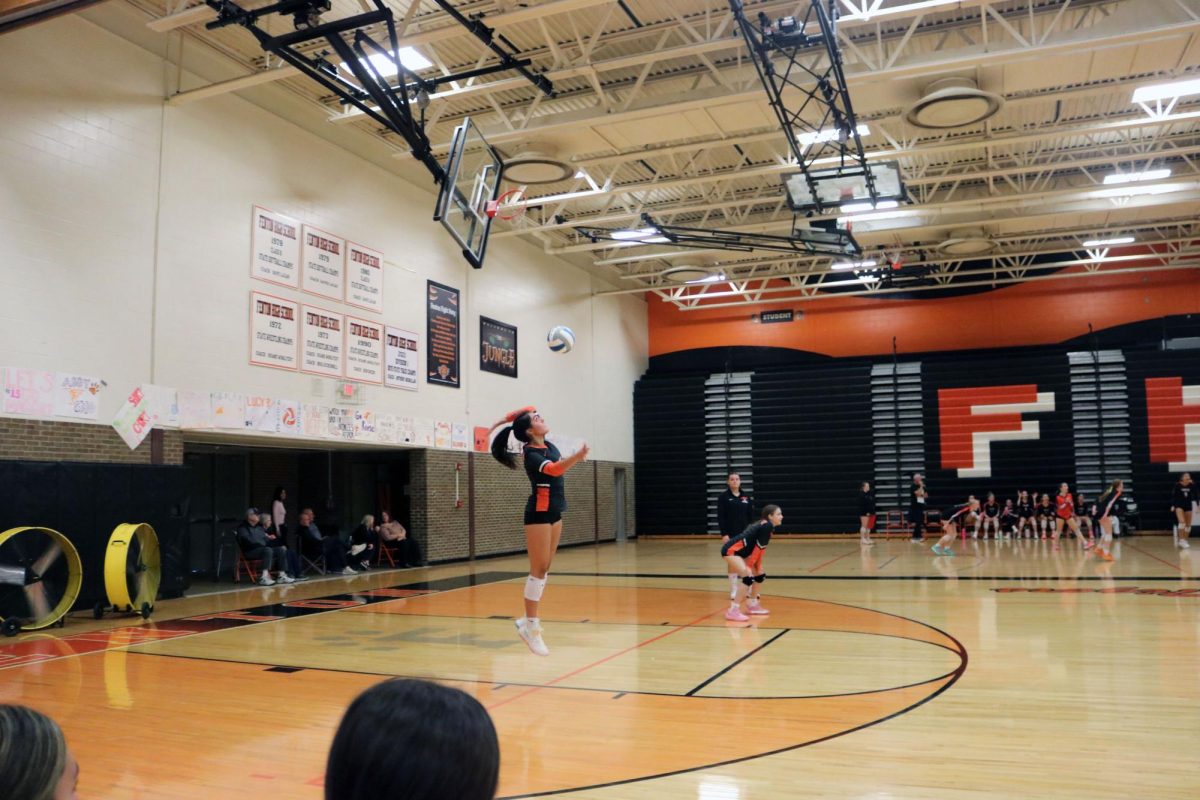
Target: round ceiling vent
[[536, 163], [686, 273], [953, 103], [969, 242]]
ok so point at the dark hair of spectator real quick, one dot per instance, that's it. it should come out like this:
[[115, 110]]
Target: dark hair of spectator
[[413, 740], [279, 490], [33, 754]]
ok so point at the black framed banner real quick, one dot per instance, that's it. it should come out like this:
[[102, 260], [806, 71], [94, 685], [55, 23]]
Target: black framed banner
[[442, 335], [497, 347]]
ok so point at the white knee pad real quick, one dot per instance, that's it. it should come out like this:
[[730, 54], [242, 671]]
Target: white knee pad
[[534, 588]]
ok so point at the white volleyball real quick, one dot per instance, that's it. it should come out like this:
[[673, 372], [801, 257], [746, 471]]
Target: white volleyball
[[560, 339]]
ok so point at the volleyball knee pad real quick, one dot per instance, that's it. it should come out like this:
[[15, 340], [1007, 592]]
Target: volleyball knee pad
[[534, 588], [760, 578], [747, 580]]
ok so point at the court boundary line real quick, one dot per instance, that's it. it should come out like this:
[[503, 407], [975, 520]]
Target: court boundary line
[[730, 666], [779, 577]]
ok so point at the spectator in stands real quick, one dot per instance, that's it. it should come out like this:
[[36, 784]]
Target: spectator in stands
[[363, 543], [275, 538], [393, 533], [35, 763], [255, 544], [916, 507], [413, 740], [279, 512], [329, 547]]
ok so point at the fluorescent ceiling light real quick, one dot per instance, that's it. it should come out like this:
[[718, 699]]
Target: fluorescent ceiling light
[[1166, 91], [856, 264], [1135, 177], [858, 208], [655, 240], [409, 57], [640, 233], [1131, 191], [718, 277], [809, 138], [868, 9], [1107, 242]]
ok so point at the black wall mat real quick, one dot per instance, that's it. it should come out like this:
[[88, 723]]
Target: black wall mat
[[85, 502], [669, 450]]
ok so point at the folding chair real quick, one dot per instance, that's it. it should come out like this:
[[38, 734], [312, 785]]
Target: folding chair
[[385, 551], [247, 564]]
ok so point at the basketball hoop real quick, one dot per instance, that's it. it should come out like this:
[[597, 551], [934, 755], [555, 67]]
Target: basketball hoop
[[508, 206]]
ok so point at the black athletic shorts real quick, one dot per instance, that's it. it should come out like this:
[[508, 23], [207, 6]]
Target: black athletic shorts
[[548, 517]]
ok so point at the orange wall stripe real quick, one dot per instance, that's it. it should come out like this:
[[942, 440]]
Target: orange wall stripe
[[1039, 312]]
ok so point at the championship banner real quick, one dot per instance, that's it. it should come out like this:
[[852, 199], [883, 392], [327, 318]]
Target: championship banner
[[364, 277], [324, 259], [441, 358], [364, 350], [401, 359], [275, 248], [497, 347], [321, 336], [274, 326]]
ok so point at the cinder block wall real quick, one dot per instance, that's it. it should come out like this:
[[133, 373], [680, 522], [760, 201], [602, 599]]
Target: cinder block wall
[[48, 440], [499, 501]]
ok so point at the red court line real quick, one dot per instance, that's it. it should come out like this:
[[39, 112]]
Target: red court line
[[830, 561], [573, 673], [1175, 567]]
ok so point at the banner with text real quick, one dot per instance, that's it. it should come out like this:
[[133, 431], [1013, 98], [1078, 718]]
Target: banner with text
[[364, 277], [276, 248], [324, 259], [402, 349], [364, 350], [497, 347], [441, 357], [274, 323], [321, 336]]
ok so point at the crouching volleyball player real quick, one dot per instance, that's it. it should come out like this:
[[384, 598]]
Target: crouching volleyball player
[[744, 553], [545, 467], [950, 522]]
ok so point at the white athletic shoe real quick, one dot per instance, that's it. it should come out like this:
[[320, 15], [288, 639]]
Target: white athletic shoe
[[532, 634], [349, 571], [285, 578], [265, 579], [1183, 545]]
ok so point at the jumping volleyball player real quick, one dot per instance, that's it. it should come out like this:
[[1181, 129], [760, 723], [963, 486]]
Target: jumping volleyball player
[[744, 552], [545, 467]]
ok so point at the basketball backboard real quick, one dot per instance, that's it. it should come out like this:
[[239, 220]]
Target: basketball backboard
[[843, 186], [472, 181]]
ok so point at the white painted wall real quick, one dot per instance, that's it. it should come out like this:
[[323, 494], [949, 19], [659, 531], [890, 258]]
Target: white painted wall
[[113, 268]]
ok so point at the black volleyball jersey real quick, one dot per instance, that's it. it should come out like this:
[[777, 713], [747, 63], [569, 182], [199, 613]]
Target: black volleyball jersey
[[545, 477], [1024, 510], [956, 514], [991, 510], [756, 535], [1046, 510], [866, 504], [734, 512], [1182, 496], [1082, 507], [1106, 506]]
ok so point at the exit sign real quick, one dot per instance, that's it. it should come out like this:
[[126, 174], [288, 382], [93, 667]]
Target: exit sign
[[776, 316]]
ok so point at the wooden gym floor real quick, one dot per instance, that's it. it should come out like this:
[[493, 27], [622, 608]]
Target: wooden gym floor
[[1008, 671]]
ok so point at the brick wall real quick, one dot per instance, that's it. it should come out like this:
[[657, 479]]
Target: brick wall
[[47, 440], [499, 500]]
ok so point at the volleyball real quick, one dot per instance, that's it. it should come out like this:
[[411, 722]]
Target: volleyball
[[560, 339]]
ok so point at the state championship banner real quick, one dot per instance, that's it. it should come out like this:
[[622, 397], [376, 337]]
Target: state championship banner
[[321, 342], [364, 350], [274, 329], [324, 259], [275, 248], [400, 352], [364, 277], [441, 359], [497, 347]]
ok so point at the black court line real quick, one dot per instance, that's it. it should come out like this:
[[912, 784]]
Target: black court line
[[735, 663], [777, 577]]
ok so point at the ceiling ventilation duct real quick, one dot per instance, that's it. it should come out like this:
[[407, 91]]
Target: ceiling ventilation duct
[[536, 163], [966, 242], [953, 103]]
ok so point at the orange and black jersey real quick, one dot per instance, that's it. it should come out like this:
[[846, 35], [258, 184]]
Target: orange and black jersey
[[757, 535], [1106, 505], [956, 514], [1182, 496], [543, 465]]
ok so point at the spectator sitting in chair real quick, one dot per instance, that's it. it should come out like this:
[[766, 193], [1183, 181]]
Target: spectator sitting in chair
[[330, 547], [276, 538], [255, 544], [364, 542], [392, 532]]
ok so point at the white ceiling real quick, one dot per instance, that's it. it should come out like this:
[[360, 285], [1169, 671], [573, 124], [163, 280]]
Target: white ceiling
[[661, 111]]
